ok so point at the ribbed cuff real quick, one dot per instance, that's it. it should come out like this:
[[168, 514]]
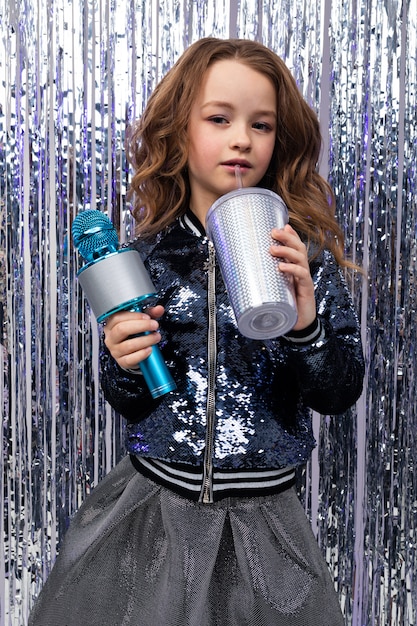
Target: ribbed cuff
[[308, 335], [132, 370]]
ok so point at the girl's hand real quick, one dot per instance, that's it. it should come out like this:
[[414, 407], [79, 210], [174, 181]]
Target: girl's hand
[[121, 335], [292, 253]]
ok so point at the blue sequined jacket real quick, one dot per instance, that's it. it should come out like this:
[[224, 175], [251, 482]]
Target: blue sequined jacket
[[244, 403]]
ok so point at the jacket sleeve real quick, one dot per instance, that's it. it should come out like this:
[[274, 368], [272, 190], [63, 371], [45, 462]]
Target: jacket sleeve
[[330, 369], [125, 391]]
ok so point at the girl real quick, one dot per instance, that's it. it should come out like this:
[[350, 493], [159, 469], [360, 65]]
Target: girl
[[200, 525]]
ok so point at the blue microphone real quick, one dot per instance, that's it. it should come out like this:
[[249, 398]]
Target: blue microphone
[[115, 280]]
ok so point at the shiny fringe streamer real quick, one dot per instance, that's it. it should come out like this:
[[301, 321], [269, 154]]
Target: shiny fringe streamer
[[74, 74]]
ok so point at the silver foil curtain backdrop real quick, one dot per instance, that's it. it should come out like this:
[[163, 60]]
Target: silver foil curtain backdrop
[[73, 75]]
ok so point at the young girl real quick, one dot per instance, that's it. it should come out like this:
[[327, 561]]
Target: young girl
[[200, 525]]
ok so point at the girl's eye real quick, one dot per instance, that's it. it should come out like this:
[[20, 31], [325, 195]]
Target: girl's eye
[[218, 119], [262, 126]]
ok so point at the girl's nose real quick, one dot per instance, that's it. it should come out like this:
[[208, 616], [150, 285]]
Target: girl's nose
[[240, 139]]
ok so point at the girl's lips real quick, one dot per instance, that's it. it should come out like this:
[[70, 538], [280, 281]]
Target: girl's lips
[[232, 165]]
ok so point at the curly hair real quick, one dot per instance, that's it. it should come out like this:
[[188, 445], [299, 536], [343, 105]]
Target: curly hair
[[157, 146]]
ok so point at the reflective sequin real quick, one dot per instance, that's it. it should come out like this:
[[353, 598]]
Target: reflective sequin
[[264, 390]]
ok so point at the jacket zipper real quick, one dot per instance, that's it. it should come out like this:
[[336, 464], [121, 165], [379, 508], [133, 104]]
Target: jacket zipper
[[206, 495]]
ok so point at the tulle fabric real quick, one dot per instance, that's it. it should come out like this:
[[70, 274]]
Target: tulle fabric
[[138, 554]]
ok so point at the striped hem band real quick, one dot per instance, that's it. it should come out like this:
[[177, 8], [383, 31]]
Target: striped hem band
[[187, 480]]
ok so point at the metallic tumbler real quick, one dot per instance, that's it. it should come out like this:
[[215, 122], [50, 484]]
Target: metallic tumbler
[[239, 224]]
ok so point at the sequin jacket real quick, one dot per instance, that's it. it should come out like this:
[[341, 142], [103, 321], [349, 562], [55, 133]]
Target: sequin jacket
[[244, 403]]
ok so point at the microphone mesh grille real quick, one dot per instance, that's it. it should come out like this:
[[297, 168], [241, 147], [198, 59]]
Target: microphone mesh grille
[[91, 231]]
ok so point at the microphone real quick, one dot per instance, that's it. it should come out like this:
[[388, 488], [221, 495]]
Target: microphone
[[115, 280]]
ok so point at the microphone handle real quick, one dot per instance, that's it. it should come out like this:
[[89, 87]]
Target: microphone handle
[[156, 374], [131, 290]]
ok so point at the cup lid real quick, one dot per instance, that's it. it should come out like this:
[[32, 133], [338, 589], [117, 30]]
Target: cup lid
[[244, 191]]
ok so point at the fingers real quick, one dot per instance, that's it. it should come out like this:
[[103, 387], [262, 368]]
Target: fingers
[[293, 261], [156, 312], [287, 236], [129, 336], [292, 253]]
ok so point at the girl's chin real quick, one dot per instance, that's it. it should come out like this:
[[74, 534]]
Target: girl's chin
[[233, 186]]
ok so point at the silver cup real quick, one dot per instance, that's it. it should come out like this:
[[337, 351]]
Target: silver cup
[[239, 224]]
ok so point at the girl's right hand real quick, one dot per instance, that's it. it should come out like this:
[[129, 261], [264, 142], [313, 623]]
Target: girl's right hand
[[124, 338]]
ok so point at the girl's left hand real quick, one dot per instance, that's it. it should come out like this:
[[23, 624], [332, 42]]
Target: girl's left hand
[[292, 253]]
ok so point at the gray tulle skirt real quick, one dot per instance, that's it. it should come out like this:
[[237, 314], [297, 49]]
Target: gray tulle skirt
[[138, 554]]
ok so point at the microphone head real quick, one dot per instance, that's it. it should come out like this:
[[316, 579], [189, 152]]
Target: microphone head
[[94, 234]]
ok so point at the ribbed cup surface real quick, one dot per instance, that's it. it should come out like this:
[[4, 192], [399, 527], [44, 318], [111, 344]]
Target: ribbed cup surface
[[239, 225]]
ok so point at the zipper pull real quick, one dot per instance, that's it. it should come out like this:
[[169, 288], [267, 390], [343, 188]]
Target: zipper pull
[[210, 263]]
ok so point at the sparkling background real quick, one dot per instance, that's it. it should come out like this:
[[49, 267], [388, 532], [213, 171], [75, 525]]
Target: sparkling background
[[73, 74]]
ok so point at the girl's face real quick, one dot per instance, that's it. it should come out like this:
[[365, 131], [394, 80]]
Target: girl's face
[[232, 122]]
